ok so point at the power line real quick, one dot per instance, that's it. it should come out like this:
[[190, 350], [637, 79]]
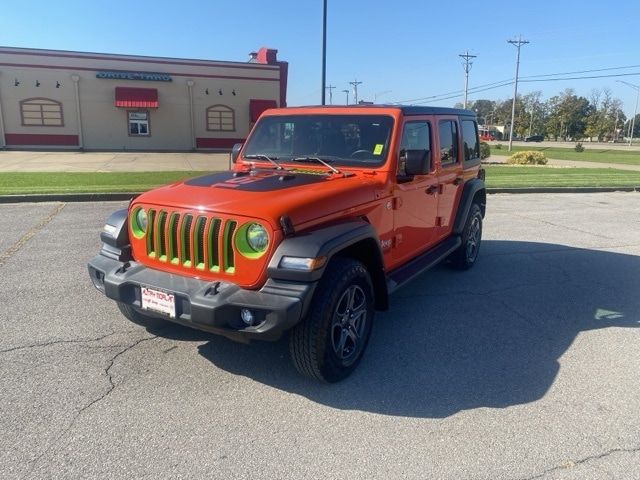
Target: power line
[[582, 71], [582, 78]]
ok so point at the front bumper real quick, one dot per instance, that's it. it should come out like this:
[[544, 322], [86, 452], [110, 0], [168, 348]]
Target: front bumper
[[212, 306]]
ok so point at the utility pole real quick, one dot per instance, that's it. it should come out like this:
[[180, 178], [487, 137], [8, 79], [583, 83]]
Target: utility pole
[[330, 88], [466, 64], [324, 49], [517, 43], [347, 92], [355, 84]]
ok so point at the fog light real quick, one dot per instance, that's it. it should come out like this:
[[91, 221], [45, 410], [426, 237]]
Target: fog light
[[247, 316]]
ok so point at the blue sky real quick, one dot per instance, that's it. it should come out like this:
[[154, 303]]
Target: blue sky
[[400, 50]]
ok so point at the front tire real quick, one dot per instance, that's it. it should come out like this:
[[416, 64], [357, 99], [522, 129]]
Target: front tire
[[329, 343], [466, 255]]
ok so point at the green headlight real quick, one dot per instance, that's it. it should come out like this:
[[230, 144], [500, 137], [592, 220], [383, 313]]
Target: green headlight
[[257, 237], [139, 222]]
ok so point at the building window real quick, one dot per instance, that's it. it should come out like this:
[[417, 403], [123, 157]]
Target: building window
[[41, 112], [138, 124], [221, 118]]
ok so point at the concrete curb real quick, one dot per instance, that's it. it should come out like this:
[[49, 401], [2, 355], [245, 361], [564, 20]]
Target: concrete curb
[[122, 196]]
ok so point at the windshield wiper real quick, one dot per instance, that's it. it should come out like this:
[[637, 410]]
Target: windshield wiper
[[318, 160], [259, 156]]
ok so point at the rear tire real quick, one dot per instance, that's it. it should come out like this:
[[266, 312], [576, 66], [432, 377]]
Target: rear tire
[[329, 342], [466, 255]]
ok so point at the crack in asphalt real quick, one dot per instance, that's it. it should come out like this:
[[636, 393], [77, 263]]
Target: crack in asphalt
[[71, 341], [79, 412], [571, 464], [15, 248]]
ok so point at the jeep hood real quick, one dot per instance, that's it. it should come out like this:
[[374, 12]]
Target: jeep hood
[[267, 194]]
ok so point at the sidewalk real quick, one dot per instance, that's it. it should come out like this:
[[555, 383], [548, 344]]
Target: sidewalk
[[34, 161]]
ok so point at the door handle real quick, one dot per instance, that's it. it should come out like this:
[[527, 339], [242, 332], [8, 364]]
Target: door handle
[[457, 181], [431, 190]]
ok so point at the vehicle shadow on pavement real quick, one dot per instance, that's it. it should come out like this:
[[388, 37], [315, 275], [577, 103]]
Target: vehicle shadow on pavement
[[451, 341]]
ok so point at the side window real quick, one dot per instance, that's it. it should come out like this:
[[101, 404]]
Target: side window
[[448, 142], [470, 140], [415, 136]]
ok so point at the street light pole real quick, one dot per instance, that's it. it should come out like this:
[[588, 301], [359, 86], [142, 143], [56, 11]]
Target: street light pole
[[635, 111], [347, 92], [517, 43], [324, 49]]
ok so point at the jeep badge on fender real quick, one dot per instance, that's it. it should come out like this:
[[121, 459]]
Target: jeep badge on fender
[[324, 213]]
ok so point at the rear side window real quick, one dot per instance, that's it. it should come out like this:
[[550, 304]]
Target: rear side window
[[448, 142], [470, 140]]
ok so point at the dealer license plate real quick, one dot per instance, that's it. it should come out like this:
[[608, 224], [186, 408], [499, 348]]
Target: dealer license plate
[[158, 301]]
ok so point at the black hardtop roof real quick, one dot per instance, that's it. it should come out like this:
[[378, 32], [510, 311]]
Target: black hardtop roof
[[406, 109]]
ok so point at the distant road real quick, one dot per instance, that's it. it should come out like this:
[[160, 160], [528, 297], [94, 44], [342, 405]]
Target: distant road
[[587, 145]]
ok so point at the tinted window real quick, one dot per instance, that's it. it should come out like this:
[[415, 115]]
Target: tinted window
[[448, 142], [470, 139], [358, 140]]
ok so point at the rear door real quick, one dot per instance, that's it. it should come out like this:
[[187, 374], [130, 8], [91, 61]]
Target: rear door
[[449, 173]]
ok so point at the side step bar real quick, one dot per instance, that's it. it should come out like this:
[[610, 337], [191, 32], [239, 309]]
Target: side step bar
[[425, 261]]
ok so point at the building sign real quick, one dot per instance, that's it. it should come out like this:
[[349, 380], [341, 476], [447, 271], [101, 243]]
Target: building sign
[[148, 76]]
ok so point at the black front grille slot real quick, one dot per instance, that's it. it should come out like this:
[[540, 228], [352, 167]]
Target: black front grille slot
[[185, 239], [198, 243], [151, 233], [172, 248], [161, 236]]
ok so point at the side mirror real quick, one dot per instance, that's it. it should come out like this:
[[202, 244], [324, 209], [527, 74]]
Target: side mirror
[[235, 151], [417, 162]]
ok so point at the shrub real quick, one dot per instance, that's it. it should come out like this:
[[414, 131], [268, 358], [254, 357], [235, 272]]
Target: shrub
[[527, 158], [485, 150], [498, 146], [579, 147]]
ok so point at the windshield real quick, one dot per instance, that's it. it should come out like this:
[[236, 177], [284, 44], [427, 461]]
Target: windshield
[[350, 140]]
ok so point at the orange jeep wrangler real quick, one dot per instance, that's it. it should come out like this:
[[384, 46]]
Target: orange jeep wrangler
[[325, 212]]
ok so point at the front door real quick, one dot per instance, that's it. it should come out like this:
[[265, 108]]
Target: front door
[[415, 197]]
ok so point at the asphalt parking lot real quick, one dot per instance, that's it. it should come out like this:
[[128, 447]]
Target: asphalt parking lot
[[526, 367]]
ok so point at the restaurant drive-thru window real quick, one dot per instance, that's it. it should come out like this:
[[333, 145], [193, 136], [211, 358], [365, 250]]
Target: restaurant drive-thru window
[[139, 124]]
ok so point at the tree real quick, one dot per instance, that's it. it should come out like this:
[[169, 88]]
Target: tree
[[567, 115]]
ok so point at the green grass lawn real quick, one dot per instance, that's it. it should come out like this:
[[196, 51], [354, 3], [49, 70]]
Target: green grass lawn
[[76, 182], [597, 155], [497, 177], [524, 176]]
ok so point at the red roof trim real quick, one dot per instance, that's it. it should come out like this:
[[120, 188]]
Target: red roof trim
[[130, 97]]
